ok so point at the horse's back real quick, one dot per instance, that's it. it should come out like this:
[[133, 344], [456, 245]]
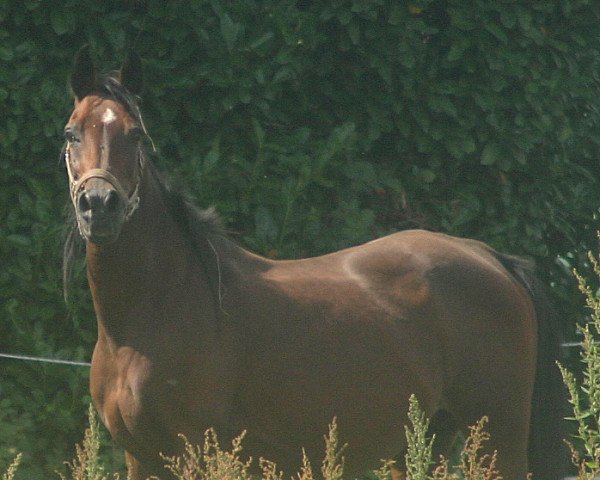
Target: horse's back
[[406, 273]]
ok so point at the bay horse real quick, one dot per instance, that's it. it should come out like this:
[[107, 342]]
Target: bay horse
[[196, 332]]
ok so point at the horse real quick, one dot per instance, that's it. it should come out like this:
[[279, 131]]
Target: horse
[[195, 332]]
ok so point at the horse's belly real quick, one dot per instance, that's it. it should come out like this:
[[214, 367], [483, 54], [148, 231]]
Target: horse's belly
[[362, 375]]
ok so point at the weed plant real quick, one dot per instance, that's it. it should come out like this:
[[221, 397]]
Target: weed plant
[[86, 465], [12, 468], [474, 465], [211, 462], [419, 452], [585, 397]]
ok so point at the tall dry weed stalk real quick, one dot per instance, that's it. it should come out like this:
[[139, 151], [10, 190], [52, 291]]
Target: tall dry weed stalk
[[474, 465], [333, 463], [12, 468], [87, 465], [209, 462], [419, 451], [585, 398]]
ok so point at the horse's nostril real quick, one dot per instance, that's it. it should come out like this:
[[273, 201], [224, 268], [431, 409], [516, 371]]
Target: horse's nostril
[[98, 201], [84, 202], [111, 202]]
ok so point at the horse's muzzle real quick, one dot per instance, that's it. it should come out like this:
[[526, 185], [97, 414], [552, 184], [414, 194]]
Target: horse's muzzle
[[100, 215]]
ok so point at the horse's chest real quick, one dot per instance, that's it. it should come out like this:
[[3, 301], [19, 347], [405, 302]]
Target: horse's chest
[[118, 391], [146, 405]]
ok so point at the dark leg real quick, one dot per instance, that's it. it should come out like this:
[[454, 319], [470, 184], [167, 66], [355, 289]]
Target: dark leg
[[139, 471], [509, 432]]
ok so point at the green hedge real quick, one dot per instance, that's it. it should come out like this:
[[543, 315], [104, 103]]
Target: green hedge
[[311, 126]]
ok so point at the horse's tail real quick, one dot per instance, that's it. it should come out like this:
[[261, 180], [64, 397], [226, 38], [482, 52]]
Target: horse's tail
[[548, 454]]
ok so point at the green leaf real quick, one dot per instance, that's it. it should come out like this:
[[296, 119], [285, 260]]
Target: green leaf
[[283, 74], [230, 30], [508, 17], [354, 32], [491, 154], [497, 32], [266, 228], [210, 160], [32, 4], [62, 20], [442, 104], [428, 176], [19, 240], [456, 52], [361, 171], [524, 18], [259, 133], [392, 183], [260, 41], [6, 53], [213, 156], [460, 145], [462, 18], [397, 15], [565, 133]]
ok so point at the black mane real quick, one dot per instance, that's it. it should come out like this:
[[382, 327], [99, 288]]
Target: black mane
[[196, 222], [109, 85]]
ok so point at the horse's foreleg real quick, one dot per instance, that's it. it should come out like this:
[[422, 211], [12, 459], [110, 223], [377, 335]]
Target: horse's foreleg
[[398, 474], [508, 430], [137, 470], [510, 442]]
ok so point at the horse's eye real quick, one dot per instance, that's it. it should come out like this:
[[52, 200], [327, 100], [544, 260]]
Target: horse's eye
[[70, 136]]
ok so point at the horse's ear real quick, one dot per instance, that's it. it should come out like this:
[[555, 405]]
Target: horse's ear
[[83, 77], [131, 75]]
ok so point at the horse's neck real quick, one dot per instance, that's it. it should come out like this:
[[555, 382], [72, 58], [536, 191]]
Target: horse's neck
[[137, 278]]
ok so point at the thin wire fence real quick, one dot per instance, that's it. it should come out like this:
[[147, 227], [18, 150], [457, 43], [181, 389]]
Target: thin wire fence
[[28, 358]]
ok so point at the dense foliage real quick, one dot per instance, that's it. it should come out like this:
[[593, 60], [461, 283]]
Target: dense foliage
[[311, 125]]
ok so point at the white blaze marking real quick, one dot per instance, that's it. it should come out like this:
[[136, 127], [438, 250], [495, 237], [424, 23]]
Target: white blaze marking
[[108, 116]]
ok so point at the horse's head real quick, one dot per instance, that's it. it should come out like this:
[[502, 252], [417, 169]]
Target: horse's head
[[103, 150]]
